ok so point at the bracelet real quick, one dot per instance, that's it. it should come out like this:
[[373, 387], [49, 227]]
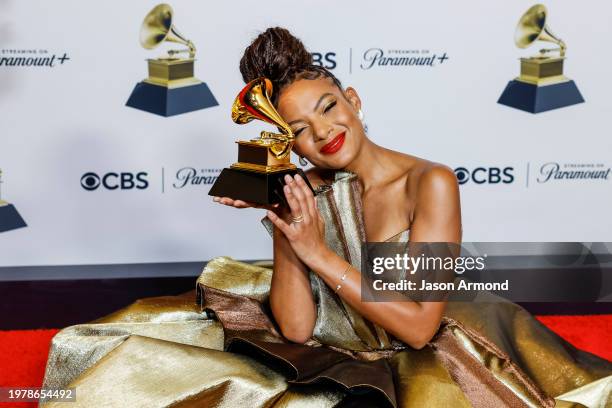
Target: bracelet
[[342, 278]]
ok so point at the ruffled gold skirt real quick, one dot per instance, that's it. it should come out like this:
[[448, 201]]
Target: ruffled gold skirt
[[225, 351]]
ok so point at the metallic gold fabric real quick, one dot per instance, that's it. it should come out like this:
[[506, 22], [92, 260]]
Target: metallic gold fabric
[[218, 346]]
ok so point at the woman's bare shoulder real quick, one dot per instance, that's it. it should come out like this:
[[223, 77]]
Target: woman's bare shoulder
[[432, 172], [434, 182], [425, 177]]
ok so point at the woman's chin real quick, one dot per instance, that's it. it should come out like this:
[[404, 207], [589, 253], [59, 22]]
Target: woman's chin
[[336, 161]]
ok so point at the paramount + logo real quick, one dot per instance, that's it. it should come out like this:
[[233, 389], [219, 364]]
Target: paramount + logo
[[91, 181], [485, 175]]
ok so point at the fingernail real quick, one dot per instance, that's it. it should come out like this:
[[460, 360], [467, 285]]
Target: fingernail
[[288, 178], [298, 177], [216, 199], [287, 189]]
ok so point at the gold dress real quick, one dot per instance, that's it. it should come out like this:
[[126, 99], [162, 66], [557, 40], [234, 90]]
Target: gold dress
[[218, 346]]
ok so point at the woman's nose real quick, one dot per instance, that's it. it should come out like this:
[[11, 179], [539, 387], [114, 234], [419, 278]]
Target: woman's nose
[[321, 131]]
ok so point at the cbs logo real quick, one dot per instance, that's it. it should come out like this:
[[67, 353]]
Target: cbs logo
[[326, 60], [482, 175], [113, 181]]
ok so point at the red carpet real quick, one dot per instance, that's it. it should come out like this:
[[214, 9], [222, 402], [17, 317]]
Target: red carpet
[[23, 353], [589, 333], [23, 356]]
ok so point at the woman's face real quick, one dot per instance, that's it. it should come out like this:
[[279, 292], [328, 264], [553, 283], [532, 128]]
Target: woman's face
[[324, 120]]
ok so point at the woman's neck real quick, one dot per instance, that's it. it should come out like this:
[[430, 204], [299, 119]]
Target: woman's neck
[[370, 164]]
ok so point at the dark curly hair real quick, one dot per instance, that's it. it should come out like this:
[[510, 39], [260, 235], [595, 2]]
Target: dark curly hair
[[282, 58]]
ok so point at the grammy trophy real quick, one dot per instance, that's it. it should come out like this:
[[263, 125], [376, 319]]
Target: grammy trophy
[[262, 162], [541, 85], [171, 88]]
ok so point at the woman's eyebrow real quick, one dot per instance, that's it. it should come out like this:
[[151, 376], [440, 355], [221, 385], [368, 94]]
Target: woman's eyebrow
[[326, 94], [321, 99], [293, 122]]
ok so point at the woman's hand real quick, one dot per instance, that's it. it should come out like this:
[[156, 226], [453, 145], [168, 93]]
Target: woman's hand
[[303, 226], [243, 204]]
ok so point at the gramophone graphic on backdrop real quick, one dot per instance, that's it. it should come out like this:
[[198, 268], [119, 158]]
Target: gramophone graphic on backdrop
[[9, 216], [262, 163], [171, 88], [541, 85]]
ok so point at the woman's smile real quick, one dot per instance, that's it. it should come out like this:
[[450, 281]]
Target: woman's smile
[[334, 145]]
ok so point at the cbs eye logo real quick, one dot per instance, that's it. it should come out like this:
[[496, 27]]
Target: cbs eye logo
[[115, 181], [488, 175]]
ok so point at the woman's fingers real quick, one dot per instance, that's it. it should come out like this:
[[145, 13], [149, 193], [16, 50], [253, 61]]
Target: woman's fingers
[[309, 197], [242, 204], [280, 224], [295, 199], [301, 195], [223, 200], [230, 202]]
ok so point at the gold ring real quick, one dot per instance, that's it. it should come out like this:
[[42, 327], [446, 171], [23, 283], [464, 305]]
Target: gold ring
[[299, 218]]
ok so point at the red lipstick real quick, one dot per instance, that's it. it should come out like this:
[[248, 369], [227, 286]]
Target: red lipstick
[[334, 145]]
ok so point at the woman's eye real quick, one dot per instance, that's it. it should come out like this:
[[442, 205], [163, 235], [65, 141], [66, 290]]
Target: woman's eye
[[297, 132], [328, 107]]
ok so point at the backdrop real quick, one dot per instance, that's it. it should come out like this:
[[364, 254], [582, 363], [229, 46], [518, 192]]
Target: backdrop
[[429, 75]]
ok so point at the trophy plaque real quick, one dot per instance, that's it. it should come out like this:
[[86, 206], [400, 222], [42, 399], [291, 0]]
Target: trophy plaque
[[171, 88], [541, 86], [262, 162], [9, 216]]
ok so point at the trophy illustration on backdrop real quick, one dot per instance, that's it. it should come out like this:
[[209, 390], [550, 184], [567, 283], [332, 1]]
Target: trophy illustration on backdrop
[[541, 85], [9, 216], [262, 162], [171, 88]]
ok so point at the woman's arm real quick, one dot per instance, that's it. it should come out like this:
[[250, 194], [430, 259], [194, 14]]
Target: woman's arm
[[291, 297], [437, 218]]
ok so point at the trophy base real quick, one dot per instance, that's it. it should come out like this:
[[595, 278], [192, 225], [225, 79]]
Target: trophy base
[[165, 101], [536, 99], [10, 218], [260, 188]]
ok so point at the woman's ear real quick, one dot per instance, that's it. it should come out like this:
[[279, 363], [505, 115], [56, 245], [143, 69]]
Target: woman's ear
[[353, 98]]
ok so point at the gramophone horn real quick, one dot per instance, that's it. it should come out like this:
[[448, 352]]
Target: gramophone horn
[[253, 102], [532, 27], [157, 27]]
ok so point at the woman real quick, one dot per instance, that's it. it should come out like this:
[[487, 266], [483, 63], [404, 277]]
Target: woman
[[325, 121], [299, 335]]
